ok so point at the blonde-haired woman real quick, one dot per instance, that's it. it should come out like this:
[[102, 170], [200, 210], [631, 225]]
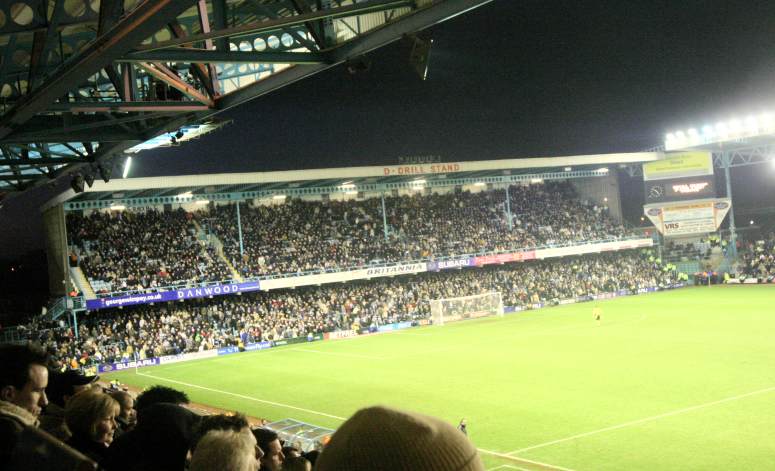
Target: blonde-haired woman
[[91, 417], [226, 450]]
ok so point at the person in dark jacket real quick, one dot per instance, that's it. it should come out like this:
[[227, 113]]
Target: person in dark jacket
[[23, 381], [159, 442], [91, 418]]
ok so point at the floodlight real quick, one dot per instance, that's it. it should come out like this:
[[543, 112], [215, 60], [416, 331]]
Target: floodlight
[[278, 197], [117, 207], [752, 222], [479, 184], [77, 183], [202, 201], [568, 169], [670, 137], [185, 195], [680, 135], [707, 131], [127, 166], [722, 129]]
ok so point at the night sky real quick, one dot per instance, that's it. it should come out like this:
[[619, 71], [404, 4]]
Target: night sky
[[511, 79]]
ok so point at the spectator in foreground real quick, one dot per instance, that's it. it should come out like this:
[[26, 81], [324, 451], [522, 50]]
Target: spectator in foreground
[[91, 417], [270, 445], [127, 417], [61, 387], [160, 395], [384, 439], [23, 381], [226, 450], [297, 463], [235, 422], [159, 442]]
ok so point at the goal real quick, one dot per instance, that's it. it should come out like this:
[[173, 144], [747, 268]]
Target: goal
[[466, 307]]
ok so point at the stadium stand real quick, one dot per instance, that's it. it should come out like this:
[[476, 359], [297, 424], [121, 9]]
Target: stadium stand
[[112, 335], [123, 251], [758, 259]]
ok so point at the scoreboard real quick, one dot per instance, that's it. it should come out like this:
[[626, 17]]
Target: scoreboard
[[680, 193]]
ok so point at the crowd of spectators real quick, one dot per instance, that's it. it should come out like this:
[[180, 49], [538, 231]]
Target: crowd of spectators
[[123, 251], [700, 249], [92, 427], [303, 235], [202, 324], [758, 259]]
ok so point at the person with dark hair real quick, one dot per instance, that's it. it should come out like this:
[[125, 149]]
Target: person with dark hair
[[23, 381], [160, 441], [160, 394], [91, 417], [270, 445], [297, 463], [61, 387]]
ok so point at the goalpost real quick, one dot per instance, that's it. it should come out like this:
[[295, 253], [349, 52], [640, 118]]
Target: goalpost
[[466, 307]]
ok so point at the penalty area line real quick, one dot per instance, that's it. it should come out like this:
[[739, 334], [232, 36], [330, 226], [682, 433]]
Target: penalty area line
[[242, 396], [644, 420], [524, 461]]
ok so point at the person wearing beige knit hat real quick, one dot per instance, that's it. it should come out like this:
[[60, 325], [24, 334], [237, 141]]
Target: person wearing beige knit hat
[[384, 439]]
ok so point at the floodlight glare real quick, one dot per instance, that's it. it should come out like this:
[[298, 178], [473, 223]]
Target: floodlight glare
[[568, 169], [127, 166], [479, 184], [751, 125], [736, 126], [117, 207], [707, 131], [765, 121], [185, 195], [202, 201], [670, 137], [278, 197]]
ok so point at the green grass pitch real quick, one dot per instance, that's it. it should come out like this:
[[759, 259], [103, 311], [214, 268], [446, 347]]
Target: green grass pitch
[[679, 380]]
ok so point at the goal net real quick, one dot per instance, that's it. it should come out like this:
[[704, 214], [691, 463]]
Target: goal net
[[466, 307]]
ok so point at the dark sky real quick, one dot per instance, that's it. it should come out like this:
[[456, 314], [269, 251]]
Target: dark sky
[[515, 78]]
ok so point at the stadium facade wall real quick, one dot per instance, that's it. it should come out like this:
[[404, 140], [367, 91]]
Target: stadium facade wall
[[598, 189], [56, 250]]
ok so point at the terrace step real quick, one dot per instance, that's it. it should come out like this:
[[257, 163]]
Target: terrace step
[[80, 280]]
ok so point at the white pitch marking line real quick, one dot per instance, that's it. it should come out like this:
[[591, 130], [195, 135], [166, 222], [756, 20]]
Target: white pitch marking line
[[288, 406], [508, 466], [241, 396], [644, 420], [525, 460]]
